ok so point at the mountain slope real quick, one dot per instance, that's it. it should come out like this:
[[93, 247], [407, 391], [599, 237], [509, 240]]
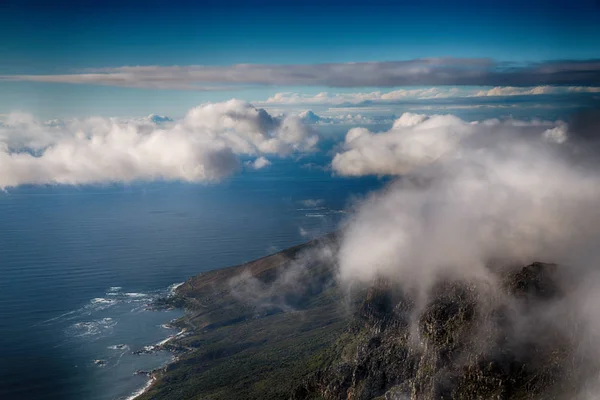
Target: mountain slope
[[281, 328], [254, 330], [465, 342]]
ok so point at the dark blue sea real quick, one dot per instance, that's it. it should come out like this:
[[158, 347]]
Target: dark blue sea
[[79, 265]]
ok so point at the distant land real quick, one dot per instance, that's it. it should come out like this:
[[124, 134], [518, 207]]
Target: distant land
[[280, 327]]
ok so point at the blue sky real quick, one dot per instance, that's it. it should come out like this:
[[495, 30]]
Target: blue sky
[[41, 38]]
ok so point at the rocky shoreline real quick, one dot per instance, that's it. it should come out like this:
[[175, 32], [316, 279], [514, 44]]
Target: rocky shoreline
[[229, 325], [170, 345]]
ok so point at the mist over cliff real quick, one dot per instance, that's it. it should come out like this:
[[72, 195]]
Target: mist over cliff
[[442, 250]]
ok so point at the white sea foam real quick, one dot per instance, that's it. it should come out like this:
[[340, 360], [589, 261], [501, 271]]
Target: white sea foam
[[141, 390], [98, 304], [92, 328], [114, 297], [315, 215], [67, 315], [175, 286], [136, 294], [87, 325], [101, 300], [163, 342], [119, 347], [167, 340]]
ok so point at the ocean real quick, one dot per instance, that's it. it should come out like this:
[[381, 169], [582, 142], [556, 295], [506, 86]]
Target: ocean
[[79, 265]]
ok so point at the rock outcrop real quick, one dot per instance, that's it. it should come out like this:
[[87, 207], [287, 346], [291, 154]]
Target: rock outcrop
[[466, 340]]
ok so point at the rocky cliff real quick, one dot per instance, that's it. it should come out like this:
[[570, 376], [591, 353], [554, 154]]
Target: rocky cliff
[[464, 341]]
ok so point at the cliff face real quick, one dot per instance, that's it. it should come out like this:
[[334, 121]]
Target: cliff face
[[465, 341]]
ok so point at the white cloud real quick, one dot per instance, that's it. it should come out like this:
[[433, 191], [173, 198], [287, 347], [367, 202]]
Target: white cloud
[[335, 118], [201, 147], [557, 134], [309, 117], [249, 130], [259, 163], [416, 140], [534, 91], [312, 203], [520, 91], [471, 193], [289, 98], [432, 93], [474, 200]]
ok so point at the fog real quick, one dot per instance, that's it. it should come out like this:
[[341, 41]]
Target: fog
[[472, 200]]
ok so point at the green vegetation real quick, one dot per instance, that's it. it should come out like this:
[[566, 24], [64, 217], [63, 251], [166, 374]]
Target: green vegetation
[[243, 345], [277, 328]]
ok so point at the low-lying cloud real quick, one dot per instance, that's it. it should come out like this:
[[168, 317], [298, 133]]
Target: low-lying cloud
[[416, 140], [472, 198], [467, 194], [259, 163], [204, 146]]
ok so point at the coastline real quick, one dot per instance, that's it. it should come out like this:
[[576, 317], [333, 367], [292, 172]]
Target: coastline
[[152, 374], [223, 324], [158, 347], [141, 390]]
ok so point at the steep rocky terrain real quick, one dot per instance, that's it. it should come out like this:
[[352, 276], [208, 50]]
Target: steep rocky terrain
[[466, 341], [281, 328]]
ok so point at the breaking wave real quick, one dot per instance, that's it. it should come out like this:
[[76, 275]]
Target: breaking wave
[[96, 327]]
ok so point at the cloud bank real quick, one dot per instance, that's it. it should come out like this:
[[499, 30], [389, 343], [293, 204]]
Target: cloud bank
[[204, 146], [417, 72], [432, 93], [416, 140], [469, 193], [533, 91], [473, 199], [290, 98]]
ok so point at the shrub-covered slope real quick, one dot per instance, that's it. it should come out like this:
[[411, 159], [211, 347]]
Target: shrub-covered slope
[[281, 328]]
